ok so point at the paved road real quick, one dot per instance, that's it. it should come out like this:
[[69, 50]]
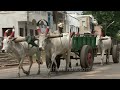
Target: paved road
[[111, 71]]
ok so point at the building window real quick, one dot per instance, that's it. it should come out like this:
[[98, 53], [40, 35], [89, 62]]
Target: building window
[[49, 19], [26, 29], [71, 28], [21, 32], [74, 29], [78, 29], [25, 32], [83, 23]]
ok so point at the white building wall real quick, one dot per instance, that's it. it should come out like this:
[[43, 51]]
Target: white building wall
[[8, 19], [38, 16], [72, 21]]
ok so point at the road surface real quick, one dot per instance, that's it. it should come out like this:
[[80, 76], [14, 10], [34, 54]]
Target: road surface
[[110, 71]]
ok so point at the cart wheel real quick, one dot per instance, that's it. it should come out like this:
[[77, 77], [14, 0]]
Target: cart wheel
[[87, 57], [115, 54]]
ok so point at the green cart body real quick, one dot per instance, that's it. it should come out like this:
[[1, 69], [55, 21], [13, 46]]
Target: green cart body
[[79, 41]]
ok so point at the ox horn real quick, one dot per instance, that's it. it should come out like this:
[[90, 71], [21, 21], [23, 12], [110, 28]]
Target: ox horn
[[72, 33], [38, 30], [13, 31], [47, 29], [5, 33], [38, 23]]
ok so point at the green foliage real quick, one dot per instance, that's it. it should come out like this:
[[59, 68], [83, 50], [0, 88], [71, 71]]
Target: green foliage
[[104, 18]]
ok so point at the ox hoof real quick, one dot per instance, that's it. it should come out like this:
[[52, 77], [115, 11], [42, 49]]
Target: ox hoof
[[19, 75], [27, 73], [57, 71], [70, 65], [49, 74], [107, 62], [41, 62], [76, 64], [67, 69], [38, 73], [101, 64], [53, 70]]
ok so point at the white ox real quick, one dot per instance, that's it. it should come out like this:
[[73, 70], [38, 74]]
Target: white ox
[[20, 50], [55, 46], [103, 44]]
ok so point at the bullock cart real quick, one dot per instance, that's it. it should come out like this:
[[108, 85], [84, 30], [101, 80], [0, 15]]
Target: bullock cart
[[84, 47]]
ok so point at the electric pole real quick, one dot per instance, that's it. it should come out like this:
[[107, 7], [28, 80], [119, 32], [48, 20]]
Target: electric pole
[[65, 21], [28, 31]]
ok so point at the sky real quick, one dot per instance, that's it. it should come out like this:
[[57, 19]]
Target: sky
[[76, 11]]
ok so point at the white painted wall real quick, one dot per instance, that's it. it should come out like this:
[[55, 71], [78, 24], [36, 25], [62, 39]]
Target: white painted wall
[[8, 19], [72, 21]]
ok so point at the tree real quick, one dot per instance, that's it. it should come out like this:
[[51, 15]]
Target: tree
[[104, 18]]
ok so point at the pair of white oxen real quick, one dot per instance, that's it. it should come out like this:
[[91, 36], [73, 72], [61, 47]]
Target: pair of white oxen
[[52, 46], [20, 48]]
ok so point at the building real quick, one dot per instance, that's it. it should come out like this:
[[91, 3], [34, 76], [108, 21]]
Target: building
[[86, 23], [23, 21], [58, 16], [79, 23], [72, 23]]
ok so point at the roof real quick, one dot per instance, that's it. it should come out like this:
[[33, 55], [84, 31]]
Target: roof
[[79, 16]]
